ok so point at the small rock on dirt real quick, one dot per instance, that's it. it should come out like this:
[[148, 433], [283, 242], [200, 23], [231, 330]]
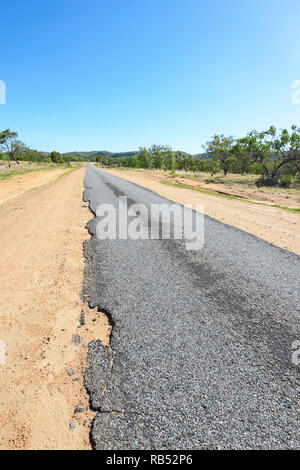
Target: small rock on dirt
[[76, 339], [72, 426]]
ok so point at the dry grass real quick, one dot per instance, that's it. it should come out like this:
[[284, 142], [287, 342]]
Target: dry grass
[[231, 185], [26, 167]]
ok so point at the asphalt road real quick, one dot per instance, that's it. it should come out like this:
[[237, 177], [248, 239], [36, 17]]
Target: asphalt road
[[201, 342]]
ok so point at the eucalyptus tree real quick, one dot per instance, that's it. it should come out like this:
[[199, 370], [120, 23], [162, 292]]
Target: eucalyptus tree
[[274, 150], [221, 149], [9, 145]]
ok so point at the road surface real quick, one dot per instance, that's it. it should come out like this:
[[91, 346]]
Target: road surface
[[201, 348]]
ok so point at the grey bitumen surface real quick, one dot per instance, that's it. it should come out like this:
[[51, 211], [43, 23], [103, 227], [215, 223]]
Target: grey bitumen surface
[[201, 342]]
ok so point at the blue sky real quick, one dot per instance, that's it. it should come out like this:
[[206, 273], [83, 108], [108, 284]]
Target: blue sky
[[119, 74]]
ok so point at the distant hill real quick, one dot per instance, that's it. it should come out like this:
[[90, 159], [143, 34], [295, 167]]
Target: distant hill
[[95, 153], [203, 156], [124, 154]]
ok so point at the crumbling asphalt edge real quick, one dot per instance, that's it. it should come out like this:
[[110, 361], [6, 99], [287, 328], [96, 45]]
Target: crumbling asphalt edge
[[100, 357]]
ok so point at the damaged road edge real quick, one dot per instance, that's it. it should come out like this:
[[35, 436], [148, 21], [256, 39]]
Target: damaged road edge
[[99, 361]]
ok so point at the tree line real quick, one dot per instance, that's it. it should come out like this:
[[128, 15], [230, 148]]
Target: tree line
[[273, 154], [12, 149]]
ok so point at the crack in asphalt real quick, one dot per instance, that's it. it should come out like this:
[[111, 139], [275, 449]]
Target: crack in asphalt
[[200, 351]]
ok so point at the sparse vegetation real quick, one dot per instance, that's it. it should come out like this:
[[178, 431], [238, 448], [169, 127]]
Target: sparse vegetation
[[273, 155], [10, 146], [17, 159]]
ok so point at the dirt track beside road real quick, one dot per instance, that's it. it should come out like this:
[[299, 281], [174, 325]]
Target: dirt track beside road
[[41, 384], [20, 184]]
